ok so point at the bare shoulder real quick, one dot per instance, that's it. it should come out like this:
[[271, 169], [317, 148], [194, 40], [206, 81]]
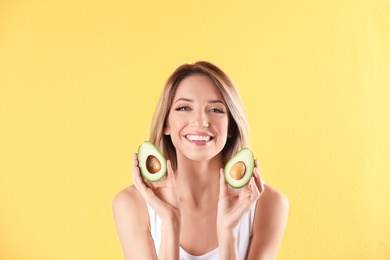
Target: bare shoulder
[[273, 199], [127, 195], [269, 224], [130, 208], [133, 225]]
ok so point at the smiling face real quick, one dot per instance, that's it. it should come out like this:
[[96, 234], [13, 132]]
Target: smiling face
[[198, 119]]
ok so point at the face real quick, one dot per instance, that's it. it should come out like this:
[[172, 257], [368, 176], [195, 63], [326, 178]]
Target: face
[[198, 119]]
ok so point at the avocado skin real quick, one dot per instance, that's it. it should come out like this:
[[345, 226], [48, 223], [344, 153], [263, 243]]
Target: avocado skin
[[144, 150], [245, 155]]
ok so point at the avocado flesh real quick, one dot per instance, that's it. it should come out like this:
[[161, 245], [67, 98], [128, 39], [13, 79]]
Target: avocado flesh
[[151, 162], [239, 169]]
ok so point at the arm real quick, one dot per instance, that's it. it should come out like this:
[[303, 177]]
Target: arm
[[132, 224], [132, 217], [232, 206], [269, 225]]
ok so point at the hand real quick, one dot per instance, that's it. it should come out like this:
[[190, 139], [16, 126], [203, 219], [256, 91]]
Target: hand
[[161, 195], [233, 204]]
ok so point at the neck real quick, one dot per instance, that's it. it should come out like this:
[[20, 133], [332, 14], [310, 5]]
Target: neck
[[197, 182]]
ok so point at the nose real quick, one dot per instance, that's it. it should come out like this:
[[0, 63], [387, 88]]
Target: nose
[[200, 120]]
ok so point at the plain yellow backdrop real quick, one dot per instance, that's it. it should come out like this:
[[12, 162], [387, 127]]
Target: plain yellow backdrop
[[79, 81]]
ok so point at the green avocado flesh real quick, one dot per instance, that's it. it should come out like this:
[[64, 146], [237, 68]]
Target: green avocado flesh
[[151, 162], [239, 169]]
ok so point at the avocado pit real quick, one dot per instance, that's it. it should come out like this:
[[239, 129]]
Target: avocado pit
[[153, 165], [238, 170]]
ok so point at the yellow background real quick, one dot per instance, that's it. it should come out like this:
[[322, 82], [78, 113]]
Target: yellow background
[[79, 81]]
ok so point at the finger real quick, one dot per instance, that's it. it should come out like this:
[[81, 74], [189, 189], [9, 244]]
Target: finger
[[134, 171], [257, 164], [149, 184], [259, 184], [258, 180], [137, 178], [255, 192], [247, 197], [142, 185]]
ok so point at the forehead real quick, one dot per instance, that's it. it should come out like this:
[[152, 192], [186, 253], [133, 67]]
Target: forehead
[[199, 86]]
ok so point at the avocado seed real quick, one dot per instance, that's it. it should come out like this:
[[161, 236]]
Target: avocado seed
[[153, 164], [238, 170]]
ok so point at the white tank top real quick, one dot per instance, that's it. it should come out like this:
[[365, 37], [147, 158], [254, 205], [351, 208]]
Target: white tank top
[[244, 232]]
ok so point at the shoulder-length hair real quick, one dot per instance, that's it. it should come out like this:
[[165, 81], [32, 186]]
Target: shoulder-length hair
[[238, 125]]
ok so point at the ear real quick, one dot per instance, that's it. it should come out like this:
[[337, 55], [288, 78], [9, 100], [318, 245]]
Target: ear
[[229, 135], [167, 131]]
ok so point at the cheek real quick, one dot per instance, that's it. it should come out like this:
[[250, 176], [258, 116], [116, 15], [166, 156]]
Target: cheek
[[223, 126], [174, 124]]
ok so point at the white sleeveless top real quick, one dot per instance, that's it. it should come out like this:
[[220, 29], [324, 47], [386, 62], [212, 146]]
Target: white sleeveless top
[[244, 232]]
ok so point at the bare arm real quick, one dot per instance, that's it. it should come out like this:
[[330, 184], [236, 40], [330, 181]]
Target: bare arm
[[132, 224], [232, 206], [269, 225], [132, 217]]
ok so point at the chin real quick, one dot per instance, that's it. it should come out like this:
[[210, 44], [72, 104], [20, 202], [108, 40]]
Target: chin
[[199, 156]]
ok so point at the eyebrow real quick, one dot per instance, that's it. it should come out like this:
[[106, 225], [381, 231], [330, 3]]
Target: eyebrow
[[213, 101]]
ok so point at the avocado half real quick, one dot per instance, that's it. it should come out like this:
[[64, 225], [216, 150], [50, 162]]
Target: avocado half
[[239, 169], [151, 162]]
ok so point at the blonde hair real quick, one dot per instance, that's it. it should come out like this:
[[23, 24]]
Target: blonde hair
[[238, 125]]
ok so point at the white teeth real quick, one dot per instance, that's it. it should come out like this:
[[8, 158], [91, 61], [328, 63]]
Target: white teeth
[[198, 138]]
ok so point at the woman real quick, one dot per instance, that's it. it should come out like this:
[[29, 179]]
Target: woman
[[199, 123]]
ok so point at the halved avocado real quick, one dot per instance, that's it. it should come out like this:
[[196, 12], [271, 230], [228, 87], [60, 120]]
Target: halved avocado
[[239, 169], [151, 162]]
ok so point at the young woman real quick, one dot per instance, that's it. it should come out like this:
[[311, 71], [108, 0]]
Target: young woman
[[199, 124]]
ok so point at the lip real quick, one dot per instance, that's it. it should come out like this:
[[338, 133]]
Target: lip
[[199, 134]]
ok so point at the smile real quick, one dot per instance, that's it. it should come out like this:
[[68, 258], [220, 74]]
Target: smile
[[198, 139]]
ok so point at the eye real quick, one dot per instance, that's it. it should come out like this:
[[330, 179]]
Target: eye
[[217, 110], [183, 108]]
